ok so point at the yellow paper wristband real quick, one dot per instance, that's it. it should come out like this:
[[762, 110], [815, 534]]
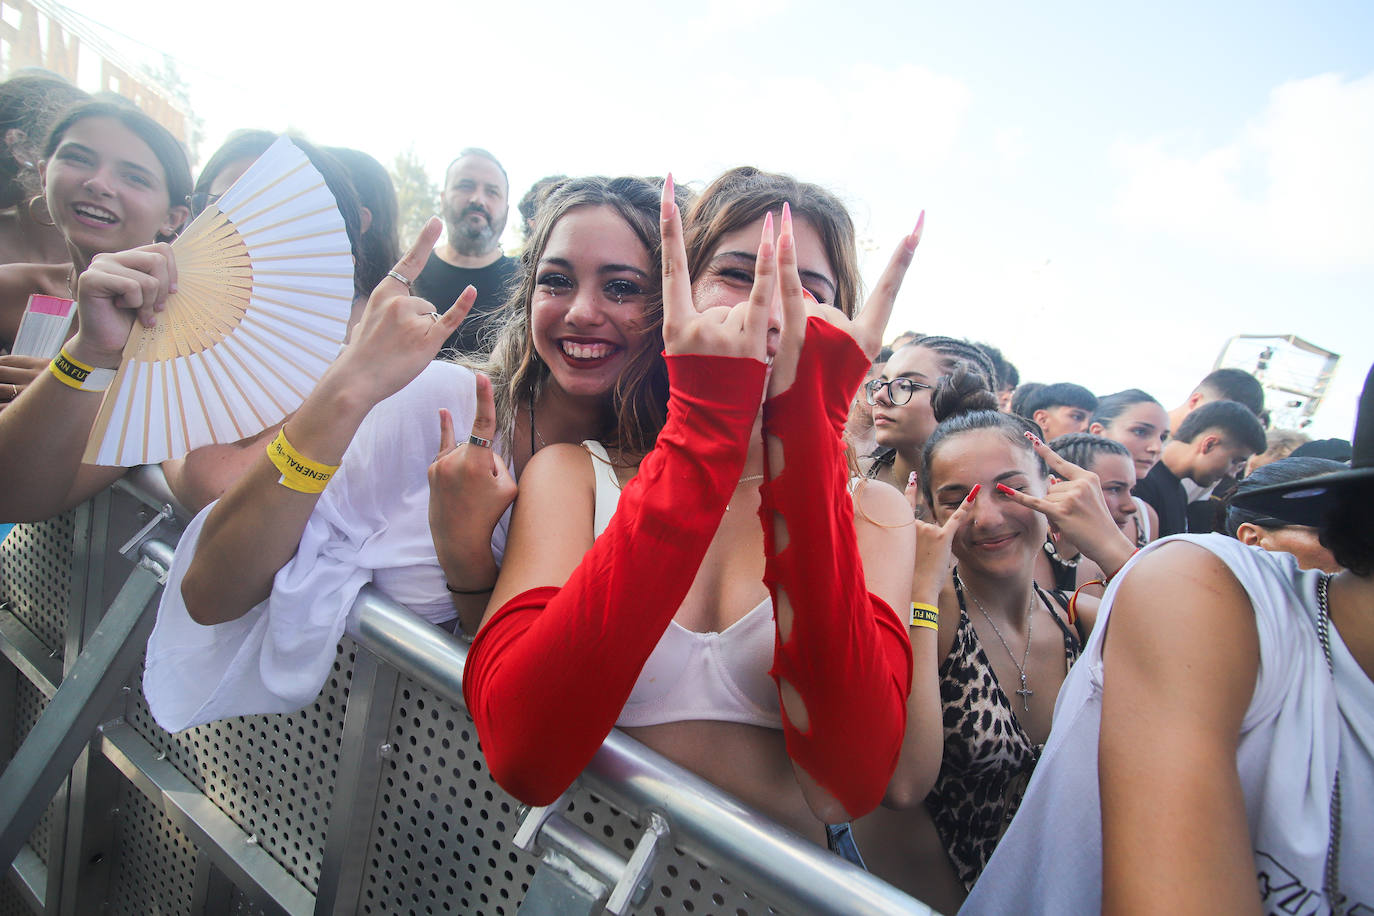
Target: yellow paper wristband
[[74, 373], [925, 615], [298, 472]]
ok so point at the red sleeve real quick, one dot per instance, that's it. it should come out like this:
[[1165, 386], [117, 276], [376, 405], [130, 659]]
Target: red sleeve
[[847, 655], [547, 676]]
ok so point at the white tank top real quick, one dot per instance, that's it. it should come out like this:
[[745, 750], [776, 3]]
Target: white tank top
[[1300, 719], [689, 675]]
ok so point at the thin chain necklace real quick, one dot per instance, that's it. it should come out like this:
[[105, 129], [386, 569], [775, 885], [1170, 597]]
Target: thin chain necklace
[[742, 482], [1025, 693]]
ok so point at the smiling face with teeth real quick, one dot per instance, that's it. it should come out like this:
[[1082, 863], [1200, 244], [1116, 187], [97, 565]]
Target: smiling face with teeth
[[1000, 536], [591, 288], [107, 190]]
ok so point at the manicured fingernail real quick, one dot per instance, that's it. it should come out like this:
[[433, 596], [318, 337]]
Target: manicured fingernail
[[669, 200], [785, 237], [915, 238], [911, 479], [973, 494], [1035, 440], [1003, 488], [806, 294]]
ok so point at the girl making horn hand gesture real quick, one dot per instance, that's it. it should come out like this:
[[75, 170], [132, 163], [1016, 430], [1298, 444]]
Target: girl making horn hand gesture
[[653, 571], [276, 569]]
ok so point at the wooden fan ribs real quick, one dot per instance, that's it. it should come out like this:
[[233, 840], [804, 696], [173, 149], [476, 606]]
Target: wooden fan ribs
[[264, 290]]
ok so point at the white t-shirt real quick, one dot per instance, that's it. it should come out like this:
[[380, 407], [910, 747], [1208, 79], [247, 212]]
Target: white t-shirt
[[371, 524], [1050, 860]]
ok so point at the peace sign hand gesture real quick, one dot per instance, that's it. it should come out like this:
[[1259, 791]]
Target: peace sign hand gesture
[[866, 328], [1076, 507], [738, 330]]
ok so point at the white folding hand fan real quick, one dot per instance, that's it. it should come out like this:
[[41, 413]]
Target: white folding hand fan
[[264, 289]]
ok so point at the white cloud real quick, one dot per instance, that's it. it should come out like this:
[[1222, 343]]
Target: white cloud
[[1295, 186], [732, 16]]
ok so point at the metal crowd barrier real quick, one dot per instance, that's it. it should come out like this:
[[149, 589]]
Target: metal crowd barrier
[[374, 799]]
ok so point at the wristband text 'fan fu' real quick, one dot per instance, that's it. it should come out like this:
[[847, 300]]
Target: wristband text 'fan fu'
[[264, 290]]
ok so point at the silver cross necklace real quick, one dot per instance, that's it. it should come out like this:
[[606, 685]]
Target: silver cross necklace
[[1025, 693]]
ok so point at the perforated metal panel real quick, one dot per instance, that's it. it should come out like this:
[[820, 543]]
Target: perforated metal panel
[[11, 903], [36, 576], [273, 775], [681, 883], [154, 872], [240, 904], [442, 830]]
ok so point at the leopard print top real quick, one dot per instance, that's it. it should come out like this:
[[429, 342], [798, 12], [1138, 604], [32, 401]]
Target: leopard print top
[[988, 757]]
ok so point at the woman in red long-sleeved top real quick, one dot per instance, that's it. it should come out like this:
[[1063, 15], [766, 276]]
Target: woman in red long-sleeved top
[[636, 588]]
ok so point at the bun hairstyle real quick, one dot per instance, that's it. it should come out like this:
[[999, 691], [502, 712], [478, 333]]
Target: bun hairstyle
[[963, 390], [970, 382]]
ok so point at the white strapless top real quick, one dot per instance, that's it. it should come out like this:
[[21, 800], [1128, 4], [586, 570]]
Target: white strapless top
[[689, 675]]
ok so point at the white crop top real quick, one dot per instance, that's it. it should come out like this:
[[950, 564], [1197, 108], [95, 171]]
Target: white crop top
[[689, 675]]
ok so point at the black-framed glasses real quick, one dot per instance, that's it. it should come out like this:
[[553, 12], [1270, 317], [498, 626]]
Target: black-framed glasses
[[200, 200], [899, 390]]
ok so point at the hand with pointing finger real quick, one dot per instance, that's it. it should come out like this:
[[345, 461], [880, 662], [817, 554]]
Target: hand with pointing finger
[[470, 488], [1076, 507]]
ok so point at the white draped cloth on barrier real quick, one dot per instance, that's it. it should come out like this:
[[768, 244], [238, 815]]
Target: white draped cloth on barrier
[[370, 525]]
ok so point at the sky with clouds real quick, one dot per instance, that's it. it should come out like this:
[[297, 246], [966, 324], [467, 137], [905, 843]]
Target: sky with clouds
[[1111, 192]]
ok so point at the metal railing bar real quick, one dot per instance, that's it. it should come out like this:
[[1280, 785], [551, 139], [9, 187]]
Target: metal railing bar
[[42, 762], [233, 852], [27, 653], [782, 867]]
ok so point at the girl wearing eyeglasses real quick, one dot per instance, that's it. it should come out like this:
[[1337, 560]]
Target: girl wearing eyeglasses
[[919, 373]]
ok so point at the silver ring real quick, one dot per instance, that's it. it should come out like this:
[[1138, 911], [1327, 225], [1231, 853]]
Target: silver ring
[[14, 390], [396, 276], [433, 316], [479, 442]]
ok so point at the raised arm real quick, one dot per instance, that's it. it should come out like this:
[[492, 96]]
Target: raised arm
[[256, 527], [842, 657], [1181, 658], [567, 633]]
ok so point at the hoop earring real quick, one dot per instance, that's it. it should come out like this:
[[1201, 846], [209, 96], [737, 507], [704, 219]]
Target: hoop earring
[[38, 197]]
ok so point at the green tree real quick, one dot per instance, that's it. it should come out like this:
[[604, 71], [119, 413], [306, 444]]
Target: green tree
[[416, 194]]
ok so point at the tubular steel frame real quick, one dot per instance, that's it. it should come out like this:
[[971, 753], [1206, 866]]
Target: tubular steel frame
[[101, 810]]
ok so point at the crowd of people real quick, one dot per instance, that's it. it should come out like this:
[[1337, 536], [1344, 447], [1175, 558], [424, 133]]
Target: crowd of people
[[663, 472]]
